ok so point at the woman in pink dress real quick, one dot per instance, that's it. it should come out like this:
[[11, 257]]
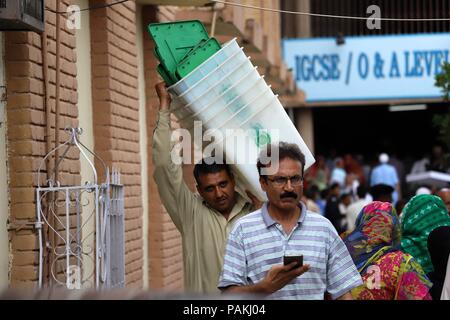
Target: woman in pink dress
[[388, 273]]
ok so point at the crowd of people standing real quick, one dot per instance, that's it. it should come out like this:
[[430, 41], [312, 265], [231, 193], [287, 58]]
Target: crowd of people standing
[[401, 230], [339, 188]]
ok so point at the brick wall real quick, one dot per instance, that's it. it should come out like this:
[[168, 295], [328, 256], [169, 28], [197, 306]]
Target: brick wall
[[165, 252], [26, 123], [116, 112], [114, 66]]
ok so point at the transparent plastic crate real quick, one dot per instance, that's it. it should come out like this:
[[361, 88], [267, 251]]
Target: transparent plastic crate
[[274, 117], [242, 106], [256, 102], [217, 81], [226, 98], [227, 58], [230, 97]]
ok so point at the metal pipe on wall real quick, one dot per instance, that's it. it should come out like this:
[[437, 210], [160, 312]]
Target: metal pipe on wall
[[51, 167], [48, 146], [57, 91], [57, 117], [48, 110]]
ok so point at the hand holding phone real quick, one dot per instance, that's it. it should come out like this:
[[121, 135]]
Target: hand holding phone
[[289, 259]]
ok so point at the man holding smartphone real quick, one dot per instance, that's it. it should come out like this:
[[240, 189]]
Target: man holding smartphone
[[258, 243]]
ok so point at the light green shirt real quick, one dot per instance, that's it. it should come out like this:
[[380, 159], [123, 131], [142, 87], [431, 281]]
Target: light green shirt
[[204, 230]]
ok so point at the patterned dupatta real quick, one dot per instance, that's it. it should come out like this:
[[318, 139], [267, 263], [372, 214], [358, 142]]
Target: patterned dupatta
[[376, 242], [377, 232]]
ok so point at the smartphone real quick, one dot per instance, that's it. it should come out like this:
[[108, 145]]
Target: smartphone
[[289, 259]]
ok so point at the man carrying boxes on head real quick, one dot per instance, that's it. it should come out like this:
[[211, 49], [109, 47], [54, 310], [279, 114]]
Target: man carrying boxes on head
[[204, 221]]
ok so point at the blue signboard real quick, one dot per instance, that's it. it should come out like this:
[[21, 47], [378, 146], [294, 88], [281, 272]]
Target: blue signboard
[[368, 67]]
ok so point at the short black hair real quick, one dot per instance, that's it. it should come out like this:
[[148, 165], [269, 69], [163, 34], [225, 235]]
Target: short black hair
[[285, 150], [345, 195], [324, 193], [208, 166], [334, 185], [311, 192], [380, 190], [361, 191]]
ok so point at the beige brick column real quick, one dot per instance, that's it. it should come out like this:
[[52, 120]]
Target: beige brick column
[[116, 115], [166, 262]]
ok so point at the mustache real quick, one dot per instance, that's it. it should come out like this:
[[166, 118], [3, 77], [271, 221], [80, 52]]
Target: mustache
[[289, 195]]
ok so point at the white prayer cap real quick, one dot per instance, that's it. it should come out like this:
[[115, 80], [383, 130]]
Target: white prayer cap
[[423, 190], [384, 158]]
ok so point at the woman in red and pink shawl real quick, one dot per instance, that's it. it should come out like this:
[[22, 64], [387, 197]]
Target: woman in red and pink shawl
[[387, 272]]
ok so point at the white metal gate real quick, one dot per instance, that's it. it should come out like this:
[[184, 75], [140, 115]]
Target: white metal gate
[[81, 228]]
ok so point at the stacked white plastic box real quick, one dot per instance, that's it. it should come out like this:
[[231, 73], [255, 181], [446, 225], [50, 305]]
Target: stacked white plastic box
[[236, 107]]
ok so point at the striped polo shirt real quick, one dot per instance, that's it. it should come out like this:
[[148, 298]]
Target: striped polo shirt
[[257, 242]]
